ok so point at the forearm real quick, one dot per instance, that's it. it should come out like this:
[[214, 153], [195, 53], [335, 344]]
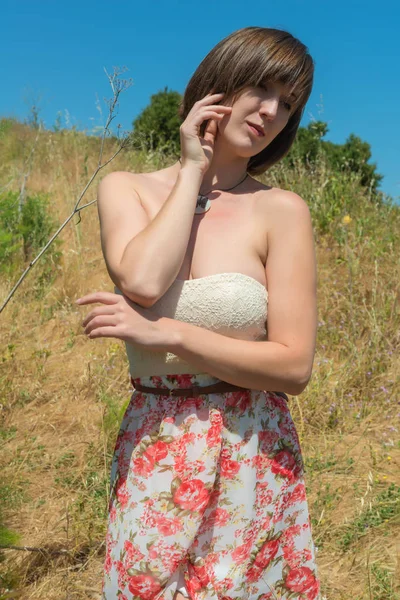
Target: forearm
[[259, 365], [162, 245]]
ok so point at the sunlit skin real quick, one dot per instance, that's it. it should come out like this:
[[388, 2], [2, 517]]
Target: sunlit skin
[[235, 142], [269, 106]]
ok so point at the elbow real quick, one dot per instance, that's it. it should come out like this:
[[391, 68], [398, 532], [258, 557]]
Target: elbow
[[300, 381], [140, 294]]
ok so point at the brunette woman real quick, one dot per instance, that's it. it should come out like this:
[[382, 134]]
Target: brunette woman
[[215, 277]]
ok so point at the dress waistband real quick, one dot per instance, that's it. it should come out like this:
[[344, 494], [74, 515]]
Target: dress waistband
[[196, 390]]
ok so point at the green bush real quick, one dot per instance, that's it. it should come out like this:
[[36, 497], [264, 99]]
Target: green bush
[[157, 126], [24, 230]]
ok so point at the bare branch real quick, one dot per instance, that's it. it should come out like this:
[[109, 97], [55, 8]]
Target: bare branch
[[34, 549], [117, 86]]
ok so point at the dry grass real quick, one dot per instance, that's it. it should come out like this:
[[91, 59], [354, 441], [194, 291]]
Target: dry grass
[[63, 396]]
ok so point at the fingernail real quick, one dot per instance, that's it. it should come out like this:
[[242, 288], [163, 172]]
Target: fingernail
[[77, 301]]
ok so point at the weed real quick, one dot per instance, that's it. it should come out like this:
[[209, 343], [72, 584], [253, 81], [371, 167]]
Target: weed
[[384, 507]]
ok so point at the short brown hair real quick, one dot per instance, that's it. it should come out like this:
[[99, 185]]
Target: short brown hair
[[249, 57]]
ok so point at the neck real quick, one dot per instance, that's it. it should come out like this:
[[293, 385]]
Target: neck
[[226, 170]]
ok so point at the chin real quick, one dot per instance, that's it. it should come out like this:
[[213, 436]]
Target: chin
[[243, 146]]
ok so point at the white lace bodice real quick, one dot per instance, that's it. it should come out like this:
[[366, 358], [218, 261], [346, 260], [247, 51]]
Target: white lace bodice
[[232, 304]]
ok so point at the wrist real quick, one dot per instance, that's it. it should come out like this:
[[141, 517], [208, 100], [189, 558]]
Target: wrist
[[193, 169], [170, 333]]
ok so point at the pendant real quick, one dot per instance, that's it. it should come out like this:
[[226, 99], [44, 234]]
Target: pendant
[[203, 204]]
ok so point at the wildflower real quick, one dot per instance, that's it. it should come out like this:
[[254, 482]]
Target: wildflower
[[346, 220], [389, 458]]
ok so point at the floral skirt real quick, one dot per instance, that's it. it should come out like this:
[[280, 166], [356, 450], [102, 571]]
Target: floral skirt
[[208, 498]]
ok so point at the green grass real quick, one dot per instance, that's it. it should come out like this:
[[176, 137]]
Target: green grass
[[383, 508]]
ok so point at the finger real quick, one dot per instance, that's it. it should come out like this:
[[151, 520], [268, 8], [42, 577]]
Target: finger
[[104, 297], [99, 310], [101, 321], [211, 98], [110, 332], [211, 131], [199, 119]]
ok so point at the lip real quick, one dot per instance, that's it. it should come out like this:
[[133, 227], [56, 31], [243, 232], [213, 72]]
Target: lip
[[256, 129]]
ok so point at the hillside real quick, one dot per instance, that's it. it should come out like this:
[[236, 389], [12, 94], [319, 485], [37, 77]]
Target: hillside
[[63, 396]]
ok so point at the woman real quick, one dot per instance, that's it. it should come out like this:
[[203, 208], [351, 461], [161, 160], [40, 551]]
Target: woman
[[208, 498]]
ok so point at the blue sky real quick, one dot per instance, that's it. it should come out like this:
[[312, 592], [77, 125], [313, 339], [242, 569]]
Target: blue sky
[[55, 53]]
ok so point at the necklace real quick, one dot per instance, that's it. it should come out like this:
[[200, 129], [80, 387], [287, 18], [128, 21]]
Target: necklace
[[203, 203]]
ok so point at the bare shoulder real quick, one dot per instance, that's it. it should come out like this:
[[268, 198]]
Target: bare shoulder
[[134, 184], [121, 178], [280, 203], [280, 211]]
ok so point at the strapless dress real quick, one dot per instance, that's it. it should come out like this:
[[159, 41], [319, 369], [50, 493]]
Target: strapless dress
[[232, 304], [207, 492]]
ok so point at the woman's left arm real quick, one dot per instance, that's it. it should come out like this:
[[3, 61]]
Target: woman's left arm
[[284, 362]]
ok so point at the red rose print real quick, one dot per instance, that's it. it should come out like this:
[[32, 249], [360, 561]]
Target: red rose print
[[229, 468], [193, 586], [221, 517], [266, 553], [107, 564], [224, 584], [201, 449], [199, 572], [213, 436], [143, 465], [284, 464], [298, 495], [122, 493], [157, 451], [240, 400], [169, 526], [241, 553], [133, 553], [267, 440], [153, 553], [144, 586], [253, 574], [301, 579], [312, 593], [192, 495]]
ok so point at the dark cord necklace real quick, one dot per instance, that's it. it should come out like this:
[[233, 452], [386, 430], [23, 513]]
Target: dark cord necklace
[[203, 203]]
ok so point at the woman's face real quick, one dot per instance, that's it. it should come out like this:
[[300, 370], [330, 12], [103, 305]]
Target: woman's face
[[268, 107]]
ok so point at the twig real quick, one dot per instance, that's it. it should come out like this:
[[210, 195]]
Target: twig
[[117, 86], [61, 551], [34, 549]]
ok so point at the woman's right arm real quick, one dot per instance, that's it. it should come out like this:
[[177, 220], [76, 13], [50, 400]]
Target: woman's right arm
[[143, 257]]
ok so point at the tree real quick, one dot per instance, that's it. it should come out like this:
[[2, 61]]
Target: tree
[[157, 126], [352, 156]]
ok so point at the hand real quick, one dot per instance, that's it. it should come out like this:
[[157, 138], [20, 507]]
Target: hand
[[121, 318], [194, 148]]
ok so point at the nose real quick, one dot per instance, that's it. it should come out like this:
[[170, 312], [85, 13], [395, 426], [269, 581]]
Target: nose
[[269, 107]]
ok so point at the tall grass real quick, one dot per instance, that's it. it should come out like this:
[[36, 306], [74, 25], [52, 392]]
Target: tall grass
[[62, 396]]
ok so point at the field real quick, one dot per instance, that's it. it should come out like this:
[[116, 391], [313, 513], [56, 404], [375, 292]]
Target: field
[[62, 396]]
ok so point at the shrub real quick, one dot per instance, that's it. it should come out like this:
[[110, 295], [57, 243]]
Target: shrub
[[157, 127], [24, 230]]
